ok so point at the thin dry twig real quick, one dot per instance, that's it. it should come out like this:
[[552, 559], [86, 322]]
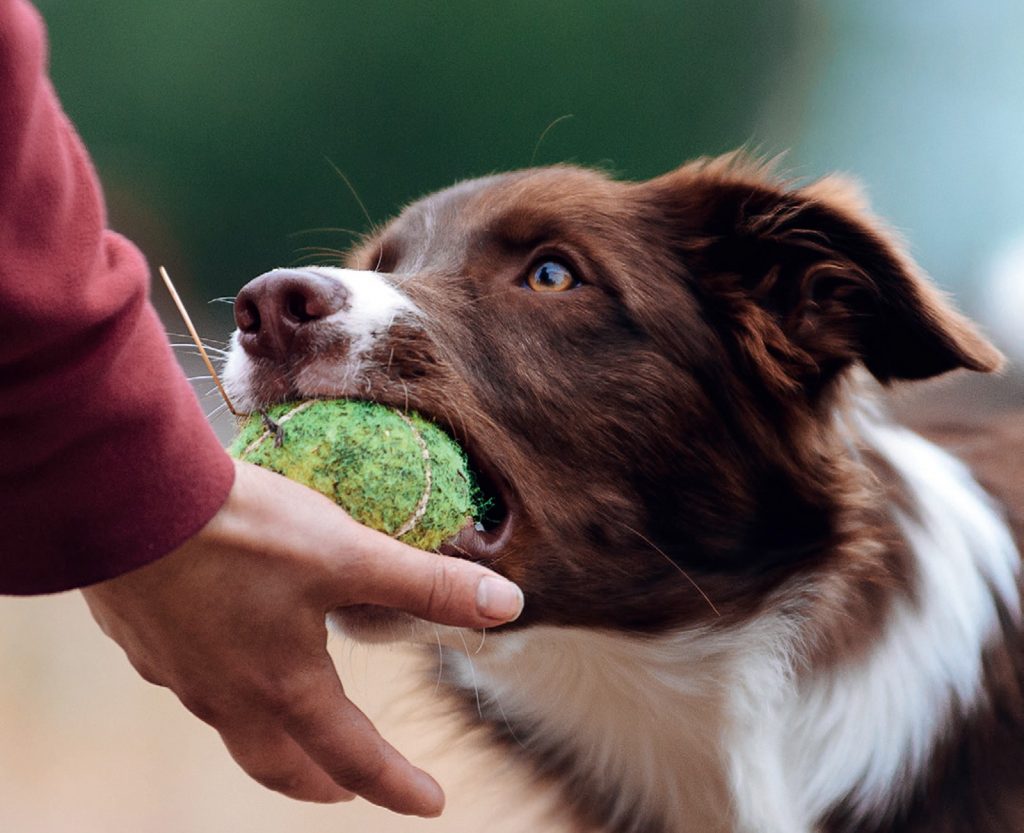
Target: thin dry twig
[[195, 337]]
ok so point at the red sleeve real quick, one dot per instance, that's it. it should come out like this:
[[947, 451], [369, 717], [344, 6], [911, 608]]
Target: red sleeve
[[106, 460]]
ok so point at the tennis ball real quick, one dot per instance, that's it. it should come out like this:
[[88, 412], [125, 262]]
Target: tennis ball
[[392, 471]]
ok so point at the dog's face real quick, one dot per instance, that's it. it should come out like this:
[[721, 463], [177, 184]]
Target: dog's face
[[644, 373]]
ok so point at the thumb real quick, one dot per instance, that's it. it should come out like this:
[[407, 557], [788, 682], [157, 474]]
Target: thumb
[[442, 589]]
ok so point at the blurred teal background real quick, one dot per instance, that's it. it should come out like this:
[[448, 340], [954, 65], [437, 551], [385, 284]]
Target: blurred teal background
[[212, 121]]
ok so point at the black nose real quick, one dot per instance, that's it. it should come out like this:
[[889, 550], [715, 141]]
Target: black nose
[[271, 311]]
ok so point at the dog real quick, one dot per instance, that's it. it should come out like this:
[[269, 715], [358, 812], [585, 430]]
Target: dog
[[754, 603]]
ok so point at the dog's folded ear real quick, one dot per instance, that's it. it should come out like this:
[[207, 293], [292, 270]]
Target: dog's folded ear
[[809, 281]]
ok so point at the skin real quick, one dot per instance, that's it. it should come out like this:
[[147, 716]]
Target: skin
[[233, 623]]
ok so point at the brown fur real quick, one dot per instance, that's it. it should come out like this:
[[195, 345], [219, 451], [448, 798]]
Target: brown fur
[[665, 434], [696, 369]]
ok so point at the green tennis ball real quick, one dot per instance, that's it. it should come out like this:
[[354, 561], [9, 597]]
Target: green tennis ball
[[392, 471]]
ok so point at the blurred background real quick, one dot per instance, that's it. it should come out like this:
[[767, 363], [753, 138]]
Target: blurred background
[[217, 126]]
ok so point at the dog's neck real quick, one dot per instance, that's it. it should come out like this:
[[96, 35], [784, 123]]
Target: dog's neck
[[728, 729]]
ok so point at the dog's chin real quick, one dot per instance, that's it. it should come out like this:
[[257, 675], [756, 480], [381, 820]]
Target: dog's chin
[[375, 625]]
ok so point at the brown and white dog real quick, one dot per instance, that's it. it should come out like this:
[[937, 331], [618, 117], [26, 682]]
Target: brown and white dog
[[753, 603]]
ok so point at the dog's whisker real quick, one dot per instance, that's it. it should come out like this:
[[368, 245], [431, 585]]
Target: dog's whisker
[[306, 260], [193, 352], [220, 351], [352, 190], [472, 674], [679, 569], [488, 296], [323, 250], [543, 135], [464, 552], [216, 412], [508, 723], [476, 692], [321, 257], [440, 661], [207, 341], [328, 229]]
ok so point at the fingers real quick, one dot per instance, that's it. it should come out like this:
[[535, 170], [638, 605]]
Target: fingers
[[335, 734], [314, 744], [446, 590], [233, 623], [368, 567], [270, 756]]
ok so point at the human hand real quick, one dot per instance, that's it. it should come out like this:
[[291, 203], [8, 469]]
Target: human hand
[[233, 623]]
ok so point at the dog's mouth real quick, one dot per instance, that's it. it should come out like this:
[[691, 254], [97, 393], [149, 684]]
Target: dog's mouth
[[483, 539]]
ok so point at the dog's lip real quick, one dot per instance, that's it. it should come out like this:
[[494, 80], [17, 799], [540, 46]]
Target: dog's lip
[[486, 545]]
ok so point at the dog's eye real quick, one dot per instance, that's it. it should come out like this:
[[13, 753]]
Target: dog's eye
[[551, 276]]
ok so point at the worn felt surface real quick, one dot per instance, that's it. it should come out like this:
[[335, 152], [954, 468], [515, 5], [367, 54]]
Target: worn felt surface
[[373, 461]]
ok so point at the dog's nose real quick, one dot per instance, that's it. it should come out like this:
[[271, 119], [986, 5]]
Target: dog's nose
[[272, 310]]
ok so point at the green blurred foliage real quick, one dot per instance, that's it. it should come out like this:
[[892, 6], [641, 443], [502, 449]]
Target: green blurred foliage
[[212, 121]]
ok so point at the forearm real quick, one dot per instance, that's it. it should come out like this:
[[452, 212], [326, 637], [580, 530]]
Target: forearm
[[106, 460]]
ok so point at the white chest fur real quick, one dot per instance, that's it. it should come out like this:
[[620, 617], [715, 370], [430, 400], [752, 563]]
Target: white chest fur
[[714, 731]]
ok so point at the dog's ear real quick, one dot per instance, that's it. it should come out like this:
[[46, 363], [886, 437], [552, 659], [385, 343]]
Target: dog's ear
[[808, 279]]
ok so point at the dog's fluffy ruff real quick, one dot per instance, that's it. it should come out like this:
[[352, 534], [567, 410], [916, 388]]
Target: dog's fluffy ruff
[[707, 730]]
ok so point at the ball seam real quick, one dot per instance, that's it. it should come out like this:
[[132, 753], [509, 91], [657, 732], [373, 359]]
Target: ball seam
[[421, 506], [281, 420]]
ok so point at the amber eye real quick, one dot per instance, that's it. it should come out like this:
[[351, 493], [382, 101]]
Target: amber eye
[[551, 276]]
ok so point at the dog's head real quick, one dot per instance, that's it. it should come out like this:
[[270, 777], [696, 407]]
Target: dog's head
[[645, 374]]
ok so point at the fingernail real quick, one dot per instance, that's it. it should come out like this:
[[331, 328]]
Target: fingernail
[[497, 598]]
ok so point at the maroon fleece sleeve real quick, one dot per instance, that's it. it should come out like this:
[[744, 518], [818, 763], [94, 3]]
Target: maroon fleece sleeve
[[106, 460]]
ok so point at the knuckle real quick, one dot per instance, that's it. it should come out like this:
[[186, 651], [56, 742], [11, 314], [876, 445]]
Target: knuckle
[[271, 694], [443, 589], [278, 704], [293, 697], [361, 778]]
